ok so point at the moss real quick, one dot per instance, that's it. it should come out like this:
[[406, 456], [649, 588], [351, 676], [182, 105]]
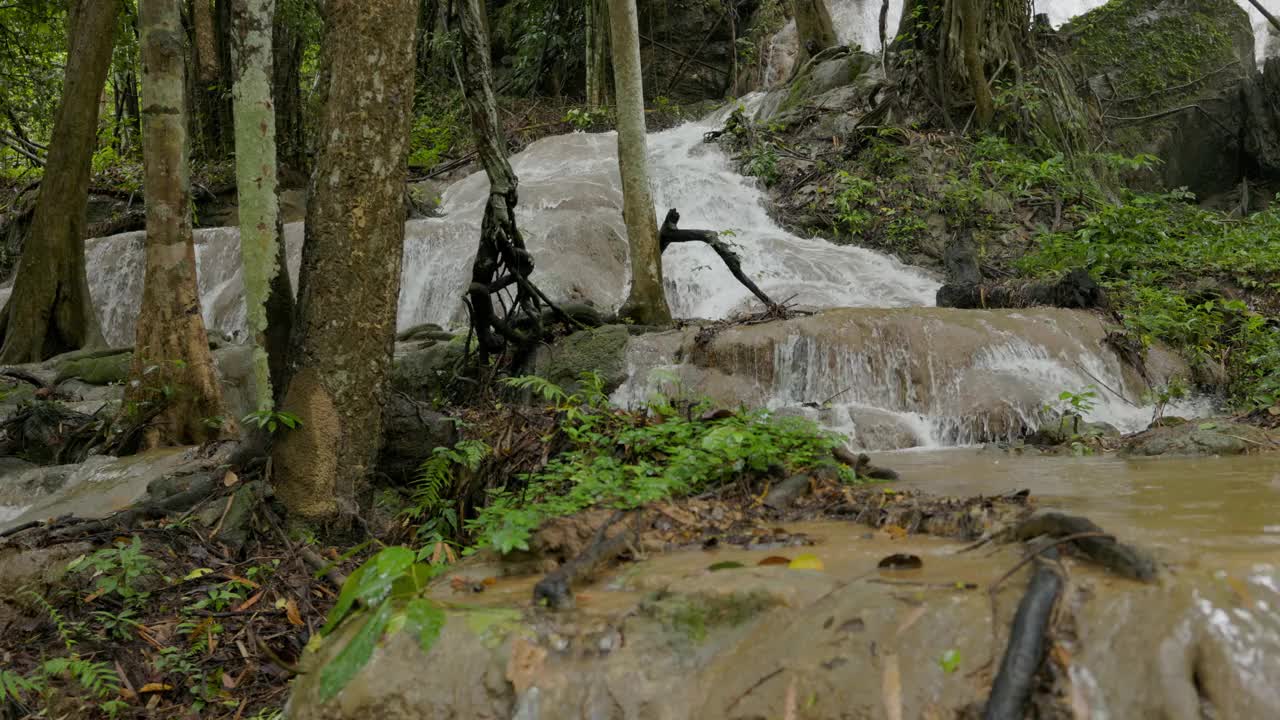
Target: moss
[[601, 350], [96, 369], [693, 616], [1155, 47]]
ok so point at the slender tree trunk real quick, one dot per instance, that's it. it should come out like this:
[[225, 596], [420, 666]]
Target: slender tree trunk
[[286, 89], [350, 278], [261, 250], [970, 25], [814, 27], [647, 302], [172, 365], [597, 70], [208, 67], [50, 311]]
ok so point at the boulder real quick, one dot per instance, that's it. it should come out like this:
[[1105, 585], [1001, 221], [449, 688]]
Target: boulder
[[411, 430], [1218, 437], [94, 367], [1169, 73], [600, 350], [424, 370]]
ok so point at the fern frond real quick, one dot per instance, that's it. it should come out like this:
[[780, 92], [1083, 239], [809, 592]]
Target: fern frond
[[65, 629], [98, 678], [541, 386]]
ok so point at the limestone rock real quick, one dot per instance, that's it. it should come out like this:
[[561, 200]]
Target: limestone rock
[[1219, 437]]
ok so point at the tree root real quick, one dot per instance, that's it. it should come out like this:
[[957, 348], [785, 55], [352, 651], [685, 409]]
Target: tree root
[[1026, 648], [556, 589]]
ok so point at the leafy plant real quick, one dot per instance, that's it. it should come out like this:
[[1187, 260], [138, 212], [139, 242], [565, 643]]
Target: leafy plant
[[762, 162], [388, 587], [118, 570], [272, 419], [624, 459], [96, 677], [439, 521]]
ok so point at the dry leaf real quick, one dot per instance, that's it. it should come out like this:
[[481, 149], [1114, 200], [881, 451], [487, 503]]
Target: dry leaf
[[230, 479], [775, 560], [250, 602], [243, 581], [155, 688], [94, 595], [291, 610]]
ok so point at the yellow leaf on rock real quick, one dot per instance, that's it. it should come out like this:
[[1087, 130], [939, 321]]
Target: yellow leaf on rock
[[807, 561]]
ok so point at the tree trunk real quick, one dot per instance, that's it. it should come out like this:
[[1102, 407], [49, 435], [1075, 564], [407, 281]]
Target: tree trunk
[[260, 248], [50, 311], [172, 365], [647, 301], [597, 70], [814, 28], [970, 24], [350, 278], [286, 90], [208, 67]]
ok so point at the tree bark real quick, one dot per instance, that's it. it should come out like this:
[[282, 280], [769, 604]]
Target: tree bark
[[350, 279], [814, 28], [261, 252], [172, 366], [970, 24], [208, 67], [286, 90], [50, 311], [647, 301], [597, 70]]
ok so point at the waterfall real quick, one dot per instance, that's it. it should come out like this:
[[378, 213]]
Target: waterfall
[[570, 213]]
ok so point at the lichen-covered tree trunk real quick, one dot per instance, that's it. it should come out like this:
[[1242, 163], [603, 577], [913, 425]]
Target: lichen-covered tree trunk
[[597, 70], [647, 302], [49, 311], [261, 252], [172, 369], [813, 27], [350, 279]]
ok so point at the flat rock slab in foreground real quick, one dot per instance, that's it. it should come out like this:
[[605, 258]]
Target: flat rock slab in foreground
[[670, 638]]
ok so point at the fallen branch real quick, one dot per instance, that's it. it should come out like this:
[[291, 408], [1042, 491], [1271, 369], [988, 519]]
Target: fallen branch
[[670, 233]]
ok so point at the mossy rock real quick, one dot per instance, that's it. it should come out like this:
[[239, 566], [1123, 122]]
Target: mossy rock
[[1210, 437], [424, 373], [95, 367], [600, 350]]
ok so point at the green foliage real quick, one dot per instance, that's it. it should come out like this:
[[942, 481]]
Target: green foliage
[[584, 119], [68, 631], [624, 459], [96, 677], [762, 162], [388, 587], [1171, 49], [878, 213], [118, 570], [14, 686], [272, 419], [437, 128], [439, 521], [1155, 252]]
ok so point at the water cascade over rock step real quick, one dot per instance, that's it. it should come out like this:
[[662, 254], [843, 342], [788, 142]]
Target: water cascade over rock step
[[898, 378], [570, 213]]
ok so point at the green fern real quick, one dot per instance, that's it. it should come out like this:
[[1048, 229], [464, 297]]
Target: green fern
[[436, 474], [540, 386], [96, 677], [13, 686], [66, 630]]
